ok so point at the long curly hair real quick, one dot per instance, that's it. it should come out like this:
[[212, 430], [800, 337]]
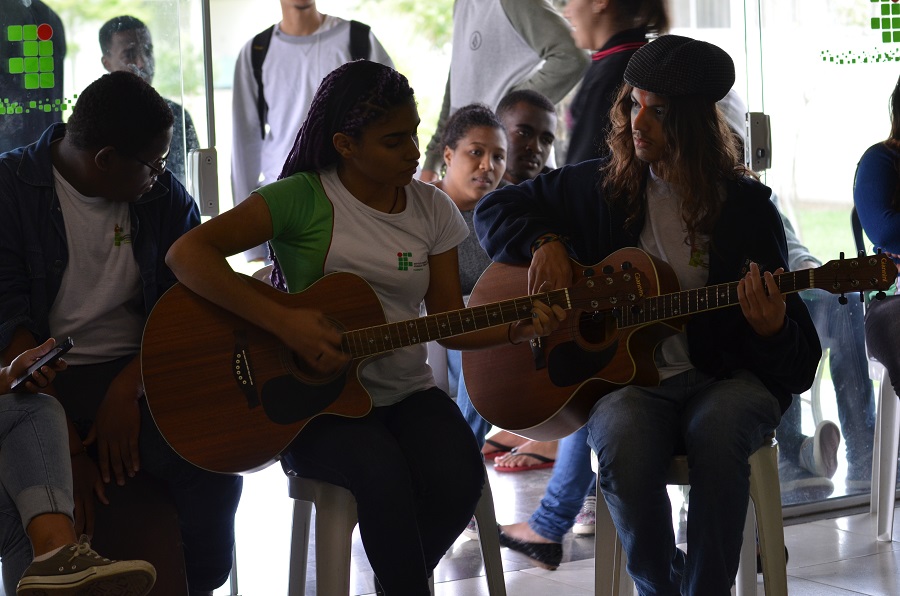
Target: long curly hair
[[701, 152], [348, 99]]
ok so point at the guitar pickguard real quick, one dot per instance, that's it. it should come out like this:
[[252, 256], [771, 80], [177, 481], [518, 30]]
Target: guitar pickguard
[[570, 365], [287, 400]]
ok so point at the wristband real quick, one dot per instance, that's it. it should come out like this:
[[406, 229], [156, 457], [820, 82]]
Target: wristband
[[542, 240]]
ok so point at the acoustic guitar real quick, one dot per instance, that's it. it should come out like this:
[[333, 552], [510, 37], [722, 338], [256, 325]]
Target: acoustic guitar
[[546, 390], [230, 397]]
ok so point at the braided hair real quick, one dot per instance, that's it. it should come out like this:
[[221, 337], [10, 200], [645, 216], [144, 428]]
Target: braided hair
[[348, 99]]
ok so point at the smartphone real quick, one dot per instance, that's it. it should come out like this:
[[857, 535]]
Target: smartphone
[[48, 358]]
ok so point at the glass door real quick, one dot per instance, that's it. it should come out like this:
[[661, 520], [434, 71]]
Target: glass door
[[822, 72], [51, 50]]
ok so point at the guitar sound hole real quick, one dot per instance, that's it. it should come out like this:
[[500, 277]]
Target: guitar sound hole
[[595, 328]]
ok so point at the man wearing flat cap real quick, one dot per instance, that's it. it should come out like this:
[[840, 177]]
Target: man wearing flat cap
[[713, 385]]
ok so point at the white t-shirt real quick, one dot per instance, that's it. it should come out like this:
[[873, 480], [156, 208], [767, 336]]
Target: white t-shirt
[[664, 235], [100, 303], [390, 251]]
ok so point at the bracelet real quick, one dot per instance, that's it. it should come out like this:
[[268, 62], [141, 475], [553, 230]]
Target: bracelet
[[545, 239], [509, 334]]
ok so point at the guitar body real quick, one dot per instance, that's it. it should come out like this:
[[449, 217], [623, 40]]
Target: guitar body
[[227, 395], [547, 393]]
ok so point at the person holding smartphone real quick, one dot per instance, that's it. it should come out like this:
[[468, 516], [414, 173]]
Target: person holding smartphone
[[36, 475]]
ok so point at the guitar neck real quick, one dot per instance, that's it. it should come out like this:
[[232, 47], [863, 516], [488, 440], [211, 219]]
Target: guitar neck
[[686, 302], [370, 341]]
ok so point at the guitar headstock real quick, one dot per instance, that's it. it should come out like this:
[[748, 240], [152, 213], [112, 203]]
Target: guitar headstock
[[862, 273], [605, 291]]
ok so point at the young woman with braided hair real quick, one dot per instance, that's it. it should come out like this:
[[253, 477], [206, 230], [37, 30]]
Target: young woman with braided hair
[[347, 201]]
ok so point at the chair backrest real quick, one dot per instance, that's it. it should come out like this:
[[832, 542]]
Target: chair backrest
[[857, 230]]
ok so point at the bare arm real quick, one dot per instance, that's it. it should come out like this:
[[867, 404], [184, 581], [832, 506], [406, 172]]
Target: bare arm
[[198, 259]]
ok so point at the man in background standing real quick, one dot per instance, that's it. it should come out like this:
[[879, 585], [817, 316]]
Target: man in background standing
[[126, 45], [276, 75]]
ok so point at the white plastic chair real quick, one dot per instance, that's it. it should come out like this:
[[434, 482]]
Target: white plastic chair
[[335, 520], [886, 444], [763, 518], [884, 454]]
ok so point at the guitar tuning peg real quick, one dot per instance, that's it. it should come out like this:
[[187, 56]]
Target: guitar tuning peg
[[861, 254], [880, 296], [842, 255], [862, 297], [842, 299]]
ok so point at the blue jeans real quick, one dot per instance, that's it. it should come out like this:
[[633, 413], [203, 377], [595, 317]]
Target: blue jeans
[[572, 480], [416, 475], [35, 474], [636, 431], [480, 427], [841, 330]]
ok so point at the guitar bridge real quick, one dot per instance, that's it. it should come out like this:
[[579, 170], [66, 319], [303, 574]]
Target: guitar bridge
[[241, 369]]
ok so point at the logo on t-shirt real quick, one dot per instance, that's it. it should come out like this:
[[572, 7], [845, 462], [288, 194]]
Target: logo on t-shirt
[[475, 41], [404, 261], [119, 238]]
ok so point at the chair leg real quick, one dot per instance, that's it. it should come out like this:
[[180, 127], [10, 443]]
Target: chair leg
[[334, 538], [766, 497], [610, 576], [490, 541], [889, 442], [299, 548], [745, 583]]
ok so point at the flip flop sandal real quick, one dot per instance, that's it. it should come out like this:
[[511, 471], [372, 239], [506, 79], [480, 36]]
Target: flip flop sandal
[[543, 462], [501, 449]]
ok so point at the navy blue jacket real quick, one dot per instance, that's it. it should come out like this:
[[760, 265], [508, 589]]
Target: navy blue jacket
[[33, 251], [569, 202]]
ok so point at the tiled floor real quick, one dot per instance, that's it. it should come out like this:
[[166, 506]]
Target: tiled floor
[[828, 557]]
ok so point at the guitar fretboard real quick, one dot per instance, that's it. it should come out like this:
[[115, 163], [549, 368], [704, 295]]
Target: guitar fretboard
[[686, 302], [390, 336]]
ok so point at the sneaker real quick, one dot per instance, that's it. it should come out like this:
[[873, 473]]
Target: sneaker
[[818, 453], [76, 569], [586, 520], [471, 531], [800, 486]]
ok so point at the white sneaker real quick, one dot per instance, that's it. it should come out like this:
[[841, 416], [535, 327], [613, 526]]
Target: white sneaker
[[471, 531], [586, 520], [818, 453]]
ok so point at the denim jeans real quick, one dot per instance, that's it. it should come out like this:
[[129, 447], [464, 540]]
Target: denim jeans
[[841, 330], [480, 427], [718, 423], [882, 331], [206, 502], [35, 474], [415, 472], [572, 480]]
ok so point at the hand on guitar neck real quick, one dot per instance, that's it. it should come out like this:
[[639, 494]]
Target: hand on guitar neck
[[761, 301]]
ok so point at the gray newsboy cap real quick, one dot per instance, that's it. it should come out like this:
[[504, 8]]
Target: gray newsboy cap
[[673, 65]]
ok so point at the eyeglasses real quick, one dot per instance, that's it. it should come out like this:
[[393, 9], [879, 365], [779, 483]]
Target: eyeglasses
[[155, 169]]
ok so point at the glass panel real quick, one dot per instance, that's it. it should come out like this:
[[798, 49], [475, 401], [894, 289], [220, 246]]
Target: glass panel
[[800, 62], [41, 74], [819, 59]]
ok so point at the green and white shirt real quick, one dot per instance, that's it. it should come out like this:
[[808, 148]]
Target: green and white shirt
[[319, 228]]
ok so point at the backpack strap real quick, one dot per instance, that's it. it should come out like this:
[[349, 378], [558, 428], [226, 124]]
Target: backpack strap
[[360, 45], [258, 49]]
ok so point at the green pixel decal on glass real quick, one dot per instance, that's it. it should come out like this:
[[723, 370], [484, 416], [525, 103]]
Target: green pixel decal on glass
[[32, 68], [885, 22]]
